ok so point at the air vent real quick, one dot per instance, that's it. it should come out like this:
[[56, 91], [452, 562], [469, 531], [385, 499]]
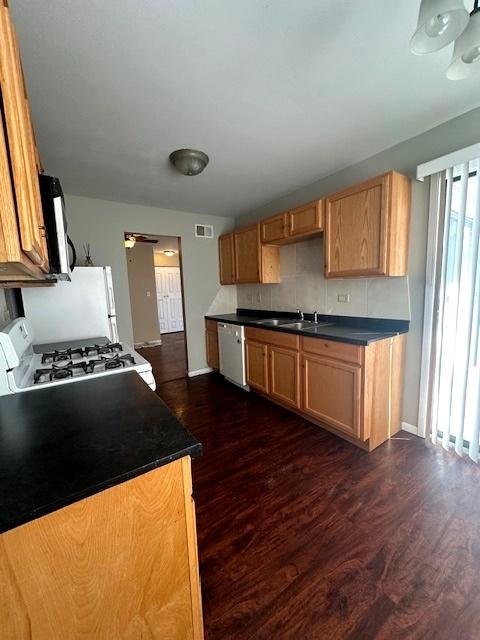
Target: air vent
[[203, 231]]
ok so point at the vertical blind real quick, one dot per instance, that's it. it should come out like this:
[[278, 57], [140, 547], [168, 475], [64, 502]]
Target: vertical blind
[[455, 389]]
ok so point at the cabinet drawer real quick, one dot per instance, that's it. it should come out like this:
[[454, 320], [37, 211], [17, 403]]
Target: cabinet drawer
[[331, 349], [278, 338], [211, 325]]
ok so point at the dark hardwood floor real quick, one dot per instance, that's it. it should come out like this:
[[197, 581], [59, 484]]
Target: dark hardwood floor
[[303, 536], [168, 360]]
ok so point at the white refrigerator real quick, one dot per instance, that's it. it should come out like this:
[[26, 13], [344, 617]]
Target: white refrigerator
[[81, 308]]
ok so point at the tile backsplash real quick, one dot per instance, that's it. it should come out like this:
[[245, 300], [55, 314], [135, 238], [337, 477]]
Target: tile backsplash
[[304, 286]]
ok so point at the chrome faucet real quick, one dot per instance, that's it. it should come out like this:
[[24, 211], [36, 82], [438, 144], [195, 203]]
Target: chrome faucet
[[315, 316], [301, 315]]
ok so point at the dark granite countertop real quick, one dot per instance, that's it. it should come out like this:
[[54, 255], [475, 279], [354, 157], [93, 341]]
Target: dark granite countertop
[[67, 442], [354, 330]]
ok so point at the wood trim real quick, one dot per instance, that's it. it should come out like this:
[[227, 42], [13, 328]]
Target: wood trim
[[192, 549]]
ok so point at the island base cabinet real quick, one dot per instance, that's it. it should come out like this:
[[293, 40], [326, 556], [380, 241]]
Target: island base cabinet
[[119, 564], [332, 392]]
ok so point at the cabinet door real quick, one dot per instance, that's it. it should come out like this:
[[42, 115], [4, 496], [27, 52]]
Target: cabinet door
[[212, 349], [275, 229], [21, 146], [356, 230], [226, 259], [247, 254], [256, 356], [285, 375], [332, 392], [307, 219]]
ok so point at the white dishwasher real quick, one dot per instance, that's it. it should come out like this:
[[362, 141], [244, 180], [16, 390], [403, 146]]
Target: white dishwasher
[[231, 345]]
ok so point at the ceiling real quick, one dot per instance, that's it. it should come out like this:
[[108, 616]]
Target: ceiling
[[277, 93]]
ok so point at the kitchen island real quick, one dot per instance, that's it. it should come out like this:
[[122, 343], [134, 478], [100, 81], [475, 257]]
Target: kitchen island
[[97, 520]]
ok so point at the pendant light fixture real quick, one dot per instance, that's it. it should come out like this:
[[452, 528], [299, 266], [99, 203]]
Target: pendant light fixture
[[190, 162], [439, 23], [169, 253], [466, 53]]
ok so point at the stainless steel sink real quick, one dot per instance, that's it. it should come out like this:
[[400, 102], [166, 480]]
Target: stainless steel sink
[[306, 324], [273, 322]]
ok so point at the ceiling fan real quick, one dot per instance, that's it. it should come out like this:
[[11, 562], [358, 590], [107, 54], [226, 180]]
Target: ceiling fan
[[132, 238]]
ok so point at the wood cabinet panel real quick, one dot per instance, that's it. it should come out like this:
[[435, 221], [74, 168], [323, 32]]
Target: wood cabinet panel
[[275, 229], [332, 392], [211, 325], [332, 349], [226, 254], [21, 146], [278, 338], [285, 375], [367, 228], [256, 357], [247, 254], [306, 220], [213, 359], [356, 224], [120, 564]]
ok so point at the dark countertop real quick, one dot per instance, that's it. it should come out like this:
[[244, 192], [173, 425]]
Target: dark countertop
[[361, 331], [67, 442]]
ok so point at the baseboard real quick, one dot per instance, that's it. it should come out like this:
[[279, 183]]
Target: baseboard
[[199, 372], [410, 428]]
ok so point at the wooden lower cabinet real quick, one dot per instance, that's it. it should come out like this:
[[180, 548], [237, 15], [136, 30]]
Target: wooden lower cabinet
[[332, 392], [211, 339], [355, 391], [256, 362], [285, 375], [120, 564]]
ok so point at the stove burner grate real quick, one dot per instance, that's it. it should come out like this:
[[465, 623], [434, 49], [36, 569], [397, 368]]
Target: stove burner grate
[[100, 349], [56, 372], [61, 355]]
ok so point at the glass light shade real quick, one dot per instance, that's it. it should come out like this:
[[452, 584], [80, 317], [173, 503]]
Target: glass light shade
[[190, 162], [439, 23], [466, 53], [129, 243], [169, 252]]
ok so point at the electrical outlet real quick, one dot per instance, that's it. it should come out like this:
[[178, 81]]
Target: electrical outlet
[[343, 297], [148, 294]]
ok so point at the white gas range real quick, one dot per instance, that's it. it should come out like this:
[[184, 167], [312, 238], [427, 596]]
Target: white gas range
[[22, 369]]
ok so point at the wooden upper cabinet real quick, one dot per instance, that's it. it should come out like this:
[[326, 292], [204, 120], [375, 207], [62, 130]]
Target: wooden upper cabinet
[[255, 262], [367, 228], [275, 229], [24, 250], [306, 220], [226, 257]]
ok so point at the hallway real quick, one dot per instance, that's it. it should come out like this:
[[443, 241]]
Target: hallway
[[168, 360]]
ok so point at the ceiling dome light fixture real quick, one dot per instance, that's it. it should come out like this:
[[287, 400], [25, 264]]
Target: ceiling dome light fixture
[[466, 53], [439, 23], [169, 252], [190, 162]]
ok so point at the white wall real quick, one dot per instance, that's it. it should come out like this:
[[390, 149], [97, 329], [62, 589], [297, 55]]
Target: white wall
[[450, 136], [103, 224]]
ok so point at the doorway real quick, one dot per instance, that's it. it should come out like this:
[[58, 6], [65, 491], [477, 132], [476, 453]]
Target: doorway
[[154, 265]]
